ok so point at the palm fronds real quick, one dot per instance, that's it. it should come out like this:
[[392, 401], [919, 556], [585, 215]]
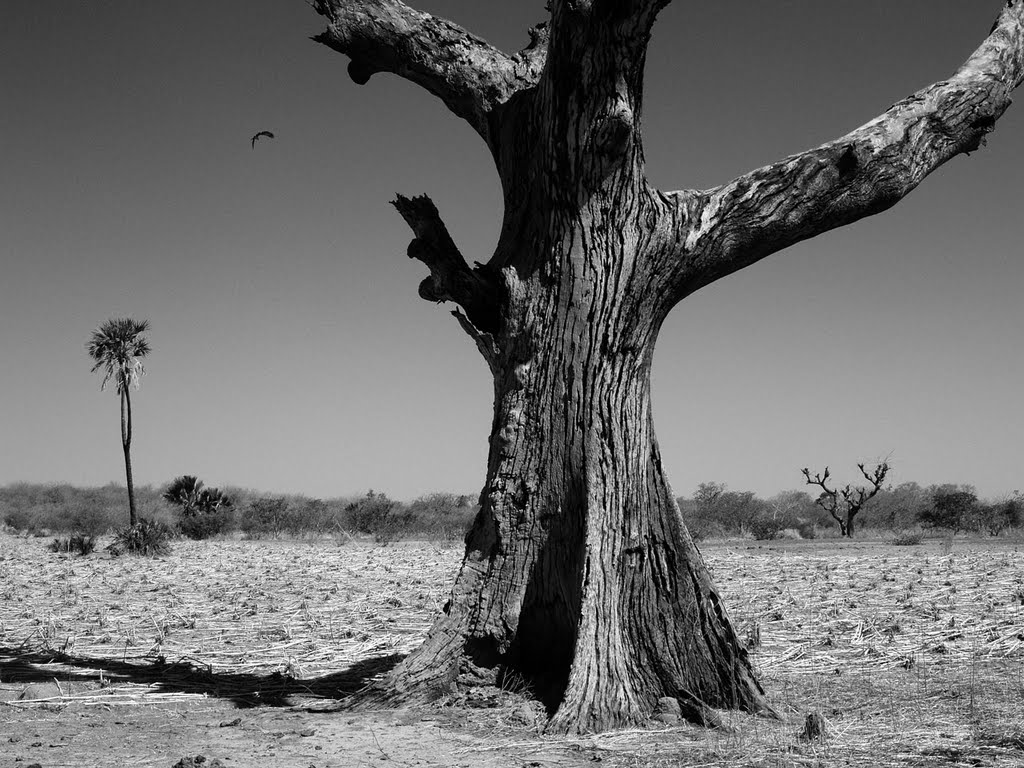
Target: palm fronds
[[117, 347], [185, 492]]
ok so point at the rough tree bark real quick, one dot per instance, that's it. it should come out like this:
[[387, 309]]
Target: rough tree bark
[[579, 573]]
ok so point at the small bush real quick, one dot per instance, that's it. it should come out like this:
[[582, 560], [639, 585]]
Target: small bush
[[370, 513], [92, 520], [790, 534], [394, 526], [202, 512], [146, 538], [310, 517], [45, 510], [701, 528], [907, 539], [207, 525], [265, 518], [952, 507], [76, 543], [441, 516], [766, 528], [807, 529], [35, 519], [995, 519]]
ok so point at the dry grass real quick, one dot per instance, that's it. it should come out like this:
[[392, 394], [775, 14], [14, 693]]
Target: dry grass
[[914, 655]]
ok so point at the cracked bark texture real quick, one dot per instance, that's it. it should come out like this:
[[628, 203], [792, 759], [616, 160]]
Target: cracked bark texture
[[579, 574]]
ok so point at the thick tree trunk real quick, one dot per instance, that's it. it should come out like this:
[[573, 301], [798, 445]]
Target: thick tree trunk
[[126, 444], [580, 576]]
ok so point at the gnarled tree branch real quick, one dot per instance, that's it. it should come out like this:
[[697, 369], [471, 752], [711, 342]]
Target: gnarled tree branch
[[854, 499], [471, 76], [865, 172], [478, 291], [829, 498], [858, 497]]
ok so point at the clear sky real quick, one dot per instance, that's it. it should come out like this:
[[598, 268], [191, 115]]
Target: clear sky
[[290, 350]]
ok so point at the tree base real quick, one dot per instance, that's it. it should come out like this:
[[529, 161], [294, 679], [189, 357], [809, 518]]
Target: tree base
[[667, 710], [424, 680]]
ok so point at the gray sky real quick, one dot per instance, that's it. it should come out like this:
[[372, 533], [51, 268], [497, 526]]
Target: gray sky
[[291, 352]]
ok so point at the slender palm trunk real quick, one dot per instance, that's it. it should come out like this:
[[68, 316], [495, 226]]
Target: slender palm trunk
[[126, 443]]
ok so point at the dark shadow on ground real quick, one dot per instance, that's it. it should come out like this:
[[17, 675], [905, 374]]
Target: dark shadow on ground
[[24, 667]]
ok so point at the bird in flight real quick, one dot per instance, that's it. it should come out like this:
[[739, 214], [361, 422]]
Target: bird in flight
[[268, 134]]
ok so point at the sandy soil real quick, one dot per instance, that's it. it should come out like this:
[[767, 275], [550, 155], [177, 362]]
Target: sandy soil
[[289, 737]]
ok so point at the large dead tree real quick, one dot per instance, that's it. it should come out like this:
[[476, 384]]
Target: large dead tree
[[844, 504], [579, 574]]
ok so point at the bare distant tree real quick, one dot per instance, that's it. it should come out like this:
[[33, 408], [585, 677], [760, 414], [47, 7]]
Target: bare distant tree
[[844, 503]]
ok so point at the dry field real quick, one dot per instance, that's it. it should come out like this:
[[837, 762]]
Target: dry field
[[238, 651]]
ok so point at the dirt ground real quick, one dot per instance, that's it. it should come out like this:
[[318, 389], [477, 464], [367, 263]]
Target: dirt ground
[[288, 737], [243, 653]]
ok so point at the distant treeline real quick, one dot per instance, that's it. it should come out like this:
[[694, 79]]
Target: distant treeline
[[714, 511], [44, 509]]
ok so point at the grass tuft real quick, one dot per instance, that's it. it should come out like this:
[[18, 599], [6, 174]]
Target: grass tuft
[[907, 539], [147, 538], [76, 543]]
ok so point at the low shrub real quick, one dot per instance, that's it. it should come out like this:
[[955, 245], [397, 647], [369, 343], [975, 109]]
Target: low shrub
[[701, 528], [207, 525], [766, 528], [76, 543], [310, 517], [953, 507], [147, 538], [395, 526], [436, 516], [370, 514], [907, 539], [441, 516], [265, 518], [34, 519], [48, 509], [298, 516], [807, 529], [94, 520], [995, 519], [202, 512]]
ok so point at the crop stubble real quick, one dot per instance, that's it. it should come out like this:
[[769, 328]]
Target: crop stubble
[[922, 640]]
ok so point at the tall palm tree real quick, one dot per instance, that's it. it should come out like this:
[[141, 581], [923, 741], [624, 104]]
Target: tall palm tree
[[118, 347]]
